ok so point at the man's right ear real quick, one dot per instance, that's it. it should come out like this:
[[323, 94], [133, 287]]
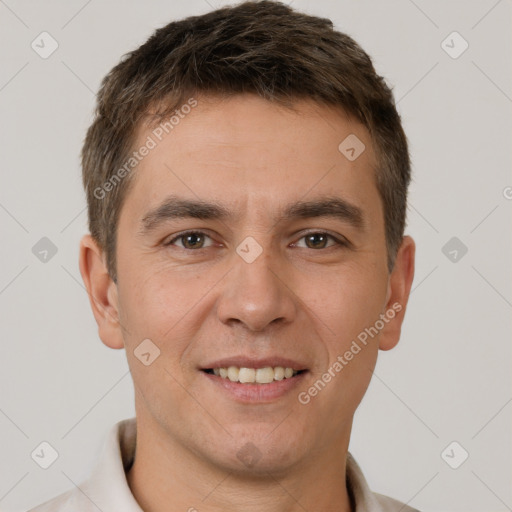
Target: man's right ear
[[102, 292]]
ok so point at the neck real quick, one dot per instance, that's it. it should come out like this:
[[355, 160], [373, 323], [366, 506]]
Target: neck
[[165, 476]]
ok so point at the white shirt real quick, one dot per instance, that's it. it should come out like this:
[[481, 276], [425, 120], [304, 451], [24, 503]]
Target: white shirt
[[107, 490]]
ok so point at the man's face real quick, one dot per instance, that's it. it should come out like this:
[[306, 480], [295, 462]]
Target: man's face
[[266, 284]]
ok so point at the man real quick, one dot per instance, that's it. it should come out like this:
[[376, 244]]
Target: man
[[246, 176]]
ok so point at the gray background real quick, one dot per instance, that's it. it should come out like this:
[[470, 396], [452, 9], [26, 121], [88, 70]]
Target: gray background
[[449, 377]]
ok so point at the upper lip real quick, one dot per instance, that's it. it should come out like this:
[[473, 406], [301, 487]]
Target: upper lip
[[249, 362]]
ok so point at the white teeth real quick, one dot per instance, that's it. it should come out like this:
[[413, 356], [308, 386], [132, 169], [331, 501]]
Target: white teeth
[[278, 373], [264, 375], [255, 375], [247, 375], [233, 372]]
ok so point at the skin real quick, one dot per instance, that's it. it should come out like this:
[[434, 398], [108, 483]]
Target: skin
[[306, 302]]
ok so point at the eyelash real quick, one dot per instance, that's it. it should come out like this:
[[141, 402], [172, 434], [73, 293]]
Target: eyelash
[[337, 241]]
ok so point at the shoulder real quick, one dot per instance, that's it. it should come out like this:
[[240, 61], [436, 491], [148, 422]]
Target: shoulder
[[388, 504], [69, 501], [106, 488]]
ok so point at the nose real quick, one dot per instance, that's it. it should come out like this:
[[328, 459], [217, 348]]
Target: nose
[[257, 294]]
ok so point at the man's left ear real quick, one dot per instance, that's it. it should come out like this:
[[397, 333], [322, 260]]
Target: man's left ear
[[399, 288]]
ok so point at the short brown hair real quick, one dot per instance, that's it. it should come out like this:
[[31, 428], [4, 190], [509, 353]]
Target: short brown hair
[[262, 47]]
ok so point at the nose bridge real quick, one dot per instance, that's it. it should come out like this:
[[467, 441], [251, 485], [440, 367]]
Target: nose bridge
[[254, 293]]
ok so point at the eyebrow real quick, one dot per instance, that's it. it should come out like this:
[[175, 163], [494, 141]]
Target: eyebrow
[[174, 207]]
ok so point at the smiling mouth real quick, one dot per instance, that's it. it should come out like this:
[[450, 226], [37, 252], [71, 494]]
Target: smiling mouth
[[243, 375]]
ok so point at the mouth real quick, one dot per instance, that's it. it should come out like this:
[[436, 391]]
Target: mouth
[[252, 381], [244, 375]]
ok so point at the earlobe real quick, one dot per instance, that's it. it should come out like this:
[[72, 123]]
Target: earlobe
[[102, 292], [399, 288]]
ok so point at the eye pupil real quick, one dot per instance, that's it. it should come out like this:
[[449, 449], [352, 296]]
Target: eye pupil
[[192, 236], [314, 237]]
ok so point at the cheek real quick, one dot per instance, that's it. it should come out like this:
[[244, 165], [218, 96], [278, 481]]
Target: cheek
[[164, 306], [151, 292], [346, 300]]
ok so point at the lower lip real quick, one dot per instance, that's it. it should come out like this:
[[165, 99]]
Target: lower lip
[[256, 393]]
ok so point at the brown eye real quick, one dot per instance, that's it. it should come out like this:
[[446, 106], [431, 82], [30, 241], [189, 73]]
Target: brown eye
[[193, 241], [316, 240], [190, 240], [319, 240]]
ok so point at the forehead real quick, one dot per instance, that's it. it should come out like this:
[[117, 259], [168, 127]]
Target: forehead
[[247, 151]]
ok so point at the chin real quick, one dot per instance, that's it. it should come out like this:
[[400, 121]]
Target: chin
[[258, 454]]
